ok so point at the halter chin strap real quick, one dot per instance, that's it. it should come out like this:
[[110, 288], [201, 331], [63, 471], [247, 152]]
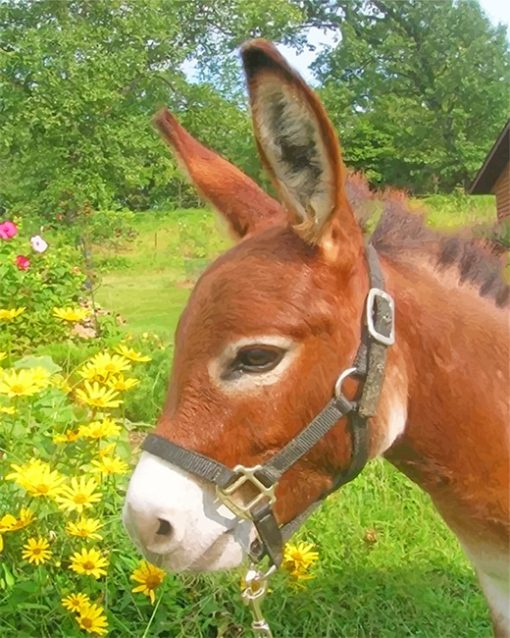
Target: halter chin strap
[[369, 364]]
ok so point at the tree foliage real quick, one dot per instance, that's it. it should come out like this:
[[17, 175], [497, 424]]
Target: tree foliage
[[419, 89], [80, 81]]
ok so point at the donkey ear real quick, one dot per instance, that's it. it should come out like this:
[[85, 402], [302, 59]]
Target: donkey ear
[[238, 198], [299, 148]]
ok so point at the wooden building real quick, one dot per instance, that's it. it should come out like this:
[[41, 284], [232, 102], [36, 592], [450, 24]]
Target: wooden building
[[494, 175]]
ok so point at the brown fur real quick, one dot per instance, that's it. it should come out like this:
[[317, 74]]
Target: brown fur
[[448, 368]]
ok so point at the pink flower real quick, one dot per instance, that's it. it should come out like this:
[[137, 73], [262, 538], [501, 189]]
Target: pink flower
[[22, 262], [8, 230]]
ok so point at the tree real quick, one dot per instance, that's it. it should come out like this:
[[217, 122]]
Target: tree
[[80, 80], [419, 89]]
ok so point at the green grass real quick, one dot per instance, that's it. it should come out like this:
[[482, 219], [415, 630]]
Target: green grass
[[413, 581]]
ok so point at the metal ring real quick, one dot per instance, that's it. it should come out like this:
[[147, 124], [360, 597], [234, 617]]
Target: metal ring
[[343, 376]]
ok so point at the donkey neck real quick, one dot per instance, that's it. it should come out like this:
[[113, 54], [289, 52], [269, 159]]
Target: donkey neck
[[455, 443]]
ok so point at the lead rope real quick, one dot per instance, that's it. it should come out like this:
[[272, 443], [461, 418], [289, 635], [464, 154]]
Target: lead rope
[[254, 592]]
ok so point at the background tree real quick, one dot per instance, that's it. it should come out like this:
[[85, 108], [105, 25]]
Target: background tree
[[81, 79], [419, 89]]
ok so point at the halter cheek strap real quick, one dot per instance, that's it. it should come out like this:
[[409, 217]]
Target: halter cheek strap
[[378, 333]]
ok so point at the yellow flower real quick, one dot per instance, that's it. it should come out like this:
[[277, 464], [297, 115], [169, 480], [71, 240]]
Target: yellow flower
[[60, 382], [3, 355], [149, 576], [79, 495], [298, 558], [71, 314], [132, 355], [91, 618], [107, 364], [36, 551], [69, 436], [89, 562], [9, 523], [85, 528], [37, 478], [97, 396], [7, 409], [121, 384], [25, 517], [110, 465], [16, 383], [107, 450], [89, 372], [75, 602], [9, 315], [100, 429]]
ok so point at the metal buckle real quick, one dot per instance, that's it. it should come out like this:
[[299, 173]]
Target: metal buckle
[[247, 475], [373, 294]]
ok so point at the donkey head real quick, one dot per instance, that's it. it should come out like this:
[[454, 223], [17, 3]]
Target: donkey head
[[267, 329]]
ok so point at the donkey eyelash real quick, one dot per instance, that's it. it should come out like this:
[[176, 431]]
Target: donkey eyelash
[[255, 359], [250, 363]]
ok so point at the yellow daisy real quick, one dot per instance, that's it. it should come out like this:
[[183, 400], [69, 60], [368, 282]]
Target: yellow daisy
[[150, 578], [85, 528], [6, 525], [60, 382], [121, 384], [69, 436], [9, 315], [17, 383], [37, 478], [72, 315], [89, 562], [80, 495], [75, 602], [298, 558], [25, 517], [89, 372], [132, 355], [91, 618], [107, 450], [36, 551], [100, 429], [98, 396], [107, 364], [110, 465]]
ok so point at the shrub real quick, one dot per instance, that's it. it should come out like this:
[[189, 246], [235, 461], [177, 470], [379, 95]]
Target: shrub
[[43, 295]]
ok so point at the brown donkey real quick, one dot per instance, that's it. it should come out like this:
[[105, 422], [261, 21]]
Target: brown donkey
[[272, 324]]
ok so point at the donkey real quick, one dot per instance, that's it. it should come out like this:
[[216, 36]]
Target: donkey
[[271, 324]]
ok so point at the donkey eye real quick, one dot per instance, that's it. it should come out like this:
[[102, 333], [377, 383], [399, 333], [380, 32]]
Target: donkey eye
[[257, 359]]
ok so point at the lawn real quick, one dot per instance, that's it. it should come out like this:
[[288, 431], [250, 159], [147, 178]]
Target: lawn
[[388, 566]]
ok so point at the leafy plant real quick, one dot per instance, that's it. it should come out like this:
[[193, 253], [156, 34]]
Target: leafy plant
[[38, 281]]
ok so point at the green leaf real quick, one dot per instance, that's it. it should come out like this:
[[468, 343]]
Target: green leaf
[[31, 361]]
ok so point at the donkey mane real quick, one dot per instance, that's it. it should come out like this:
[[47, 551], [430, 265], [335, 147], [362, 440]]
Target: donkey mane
[[402, 235]]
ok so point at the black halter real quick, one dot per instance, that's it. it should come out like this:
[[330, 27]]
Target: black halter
[[377, 334]]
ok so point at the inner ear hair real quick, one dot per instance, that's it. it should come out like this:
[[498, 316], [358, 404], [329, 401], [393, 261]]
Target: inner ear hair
[[292, 143]]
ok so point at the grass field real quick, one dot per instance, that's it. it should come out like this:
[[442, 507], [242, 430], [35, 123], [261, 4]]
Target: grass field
[[388, 566]]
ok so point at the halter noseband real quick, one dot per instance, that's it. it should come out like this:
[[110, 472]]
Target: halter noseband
[[378, 333]]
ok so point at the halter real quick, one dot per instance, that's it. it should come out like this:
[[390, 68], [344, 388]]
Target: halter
[[377, 334]]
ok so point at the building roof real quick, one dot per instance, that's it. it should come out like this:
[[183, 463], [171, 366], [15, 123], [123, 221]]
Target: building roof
[[494, 163]]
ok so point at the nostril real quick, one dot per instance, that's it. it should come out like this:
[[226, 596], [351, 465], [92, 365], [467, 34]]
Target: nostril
[[164, 529]]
